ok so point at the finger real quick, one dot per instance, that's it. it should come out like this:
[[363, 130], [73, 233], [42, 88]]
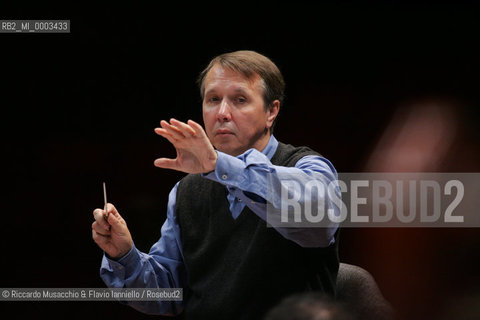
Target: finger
[[100, 229], [186, 129], [119, 226], [172, 130], [111, 208], [115, 219], [99, 215], [162, 132], [99, 239], [166, 163], [115, 222], [196, 127], [113, 211]]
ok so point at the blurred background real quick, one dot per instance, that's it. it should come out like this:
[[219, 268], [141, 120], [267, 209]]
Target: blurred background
[[372, 87]]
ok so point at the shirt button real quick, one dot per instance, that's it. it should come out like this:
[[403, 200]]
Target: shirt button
[[239, 200], [224, 177]]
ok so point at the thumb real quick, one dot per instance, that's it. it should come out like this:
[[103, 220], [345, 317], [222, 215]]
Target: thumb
[[119, 226], [166, 163], [111, 209], [113, 219]]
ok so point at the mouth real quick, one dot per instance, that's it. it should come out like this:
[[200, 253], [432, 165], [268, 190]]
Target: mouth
[[221, 132]]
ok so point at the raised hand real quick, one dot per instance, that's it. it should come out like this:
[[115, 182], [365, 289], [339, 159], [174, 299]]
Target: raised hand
[[195, 153]]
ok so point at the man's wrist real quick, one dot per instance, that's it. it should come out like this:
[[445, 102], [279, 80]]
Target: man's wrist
[[229, 170], [213, 166]]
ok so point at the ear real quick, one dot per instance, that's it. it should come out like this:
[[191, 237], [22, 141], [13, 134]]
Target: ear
[[272, 112]]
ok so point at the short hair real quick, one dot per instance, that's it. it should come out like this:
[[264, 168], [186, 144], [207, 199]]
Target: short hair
[[249, 63]]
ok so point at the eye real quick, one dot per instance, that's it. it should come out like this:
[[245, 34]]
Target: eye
[[213, 99], [241, 99]]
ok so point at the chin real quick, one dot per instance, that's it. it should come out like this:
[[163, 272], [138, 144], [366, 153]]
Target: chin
[[225, 149], [230, 150]]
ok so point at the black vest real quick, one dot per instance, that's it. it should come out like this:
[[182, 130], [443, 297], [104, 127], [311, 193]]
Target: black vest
[[239, 269]]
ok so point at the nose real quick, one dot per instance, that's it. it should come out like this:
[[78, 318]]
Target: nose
[[224, 114]]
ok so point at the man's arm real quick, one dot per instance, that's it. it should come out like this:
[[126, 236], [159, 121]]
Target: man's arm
[[162, 267], [253, 173], [257, 183]]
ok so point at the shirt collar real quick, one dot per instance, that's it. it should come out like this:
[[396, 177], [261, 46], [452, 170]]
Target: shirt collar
[[271, 147]]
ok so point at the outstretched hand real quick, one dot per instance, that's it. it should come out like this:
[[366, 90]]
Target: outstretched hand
[[195, 153]]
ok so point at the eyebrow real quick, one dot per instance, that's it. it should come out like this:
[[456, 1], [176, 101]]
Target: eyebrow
[[237, 90]]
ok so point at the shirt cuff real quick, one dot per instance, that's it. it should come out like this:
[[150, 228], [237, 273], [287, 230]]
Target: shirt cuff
[[126, 265], [228, 171]]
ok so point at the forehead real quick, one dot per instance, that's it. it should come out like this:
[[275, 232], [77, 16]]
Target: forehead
[[219, 78]]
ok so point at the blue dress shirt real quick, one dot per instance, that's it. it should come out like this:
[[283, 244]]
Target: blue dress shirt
[[246, 178]]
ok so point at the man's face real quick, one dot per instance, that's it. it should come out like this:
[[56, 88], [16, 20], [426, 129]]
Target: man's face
[[233, 111]]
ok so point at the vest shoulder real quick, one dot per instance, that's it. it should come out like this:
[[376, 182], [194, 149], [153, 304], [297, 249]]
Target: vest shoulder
[[192, 178], [288, 155], [195, 183]]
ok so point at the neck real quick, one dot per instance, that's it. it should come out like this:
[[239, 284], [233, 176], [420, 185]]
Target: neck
[[259, 144]]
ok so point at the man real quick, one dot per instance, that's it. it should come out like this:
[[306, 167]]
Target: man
[[215, 242]]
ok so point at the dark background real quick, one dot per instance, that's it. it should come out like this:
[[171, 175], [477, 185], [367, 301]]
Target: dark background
[[78, 109]]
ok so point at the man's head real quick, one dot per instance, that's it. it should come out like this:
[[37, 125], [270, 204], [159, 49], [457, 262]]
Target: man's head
[[242, 92]]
